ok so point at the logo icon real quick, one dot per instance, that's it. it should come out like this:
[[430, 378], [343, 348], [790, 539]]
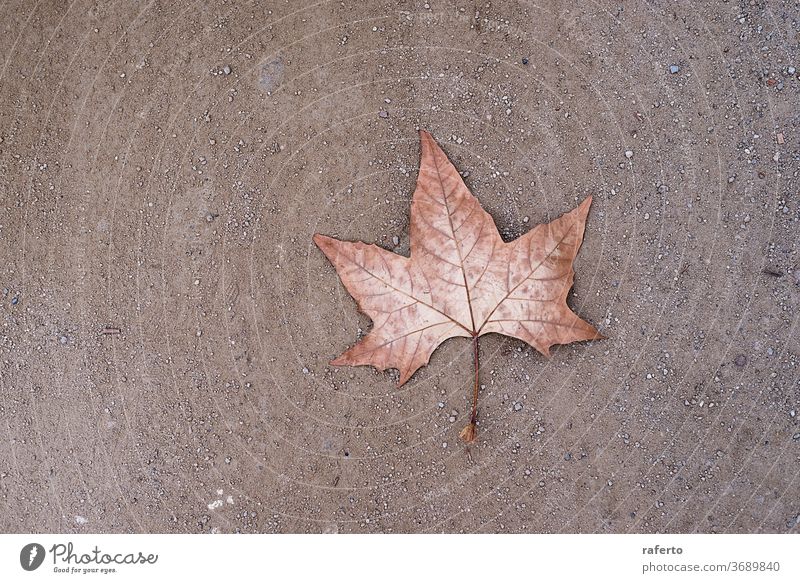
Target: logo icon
[[31, 556]]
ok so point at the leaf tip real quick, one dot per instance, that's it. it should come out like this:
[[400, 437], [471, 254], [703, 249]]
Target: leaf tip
[[340, 361], [328, 245], [468, 433], [428, 145]]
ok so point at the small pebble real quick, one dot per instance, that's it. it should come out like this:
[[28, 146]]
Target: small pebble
[[517, 406], [674, 69], [629, 154], [383, 113], [14, 301], [524, 60], [395, 240], [791, 70], [305, 370], [226, 69], [740, 361], [63, 339]]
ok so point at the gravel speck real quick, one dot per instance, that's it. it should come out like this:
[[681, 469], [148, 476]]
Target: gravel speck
[[674, 69], [740, 361]]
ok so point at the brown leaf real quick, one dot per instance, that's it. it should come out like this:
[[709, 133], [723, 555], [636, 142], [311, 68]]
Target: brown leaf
[[462, 279]]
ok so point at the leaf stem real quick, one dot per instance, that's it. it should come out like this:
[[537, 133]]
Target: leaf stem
[[468, 433], [474, 416]]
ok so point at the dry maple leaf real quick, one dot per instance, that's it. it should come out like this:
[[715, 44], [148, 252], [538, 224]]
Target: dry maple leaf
[[462, 279]]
